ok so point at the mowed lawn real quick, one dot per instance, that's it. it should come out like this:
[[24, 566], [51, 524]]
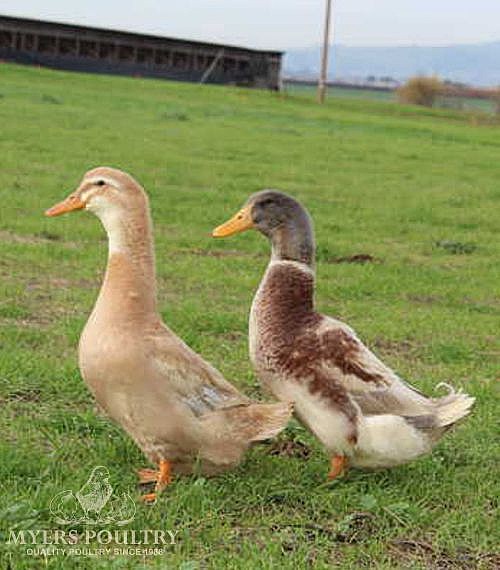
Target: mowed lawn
[[417, 191]]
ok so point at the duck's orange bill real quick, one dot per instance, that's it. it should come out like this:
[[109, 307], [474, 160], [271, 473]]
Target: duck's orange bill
[[68, 205], [240, 222]]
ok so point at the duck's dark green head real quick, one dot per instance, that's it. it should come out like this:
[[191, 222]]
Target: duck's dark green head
[[280, 218]]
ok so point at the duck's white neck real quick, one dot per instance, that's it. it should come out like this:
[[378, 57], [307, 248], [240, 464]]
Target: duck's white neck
[[129, 287]]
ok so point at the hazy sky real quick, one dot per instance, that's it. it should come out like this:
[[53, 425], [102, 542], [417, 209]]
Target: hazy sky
[[280, 24]]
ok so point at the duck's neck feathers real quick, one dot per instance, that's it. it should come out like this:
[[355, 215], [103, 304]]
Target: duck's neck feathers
[[286, 292], [128, 292], [288, 284], [294, 241]]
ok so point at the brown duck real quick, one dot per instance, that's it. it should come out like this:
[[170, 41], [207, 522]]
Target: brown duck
[[179, 410], [360, 410]]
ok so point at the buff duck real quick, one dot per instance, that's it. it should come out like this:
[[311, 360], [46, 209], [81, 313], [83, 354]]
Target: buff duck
[[178, 409], [361, 411]]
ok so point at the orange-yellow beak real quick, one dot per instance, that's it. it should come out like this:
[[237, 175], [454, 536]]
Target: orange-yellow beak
[[240, 222], [71, 203]]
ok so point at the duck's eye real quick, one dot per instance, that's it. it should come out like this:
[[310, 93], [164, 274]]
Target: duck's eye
[[266, 202], [100, 183]]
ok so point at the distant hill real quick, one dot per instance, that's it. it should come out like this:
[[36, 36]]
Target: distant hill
[[476, 64]]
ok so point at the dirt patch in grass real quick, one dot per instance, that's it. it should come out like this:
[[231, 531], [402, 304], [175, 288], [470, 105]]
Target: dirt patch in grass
[[42, 309], [34, 239], [11, 237], [425, 299], [356, 258], [232, 336], [29, 395], [218, 253], [410, 551], [61, 283], [354, 528], [456, 247], [486, 306], [387, 346], [48, 236], [290, 448], [27, 323]]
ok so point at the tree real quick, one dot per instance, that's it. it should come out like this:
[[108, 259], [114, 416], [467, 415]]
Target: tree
[[421, 90]]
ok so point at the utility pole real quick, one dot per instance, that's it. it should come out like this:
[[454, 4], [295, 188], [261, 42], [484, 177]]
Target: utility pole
[[323, 77]]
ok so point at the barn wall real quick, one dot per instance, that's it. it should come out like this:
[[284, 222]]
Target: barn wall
[[78, 48]]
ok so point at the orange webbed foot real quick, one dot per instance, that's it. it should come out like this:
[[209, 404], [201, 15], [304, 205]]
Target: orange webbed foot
[[161, 478], [149, 498], [337, 467]]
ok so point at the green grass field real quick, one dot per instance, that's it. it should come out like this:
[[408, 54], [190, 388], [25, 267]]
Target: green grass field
[[417, 190], [468, 104]]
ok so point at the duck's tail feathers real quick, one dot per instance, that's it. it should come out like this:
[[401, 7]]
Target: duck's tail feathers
[[452, 407], [258, 422]]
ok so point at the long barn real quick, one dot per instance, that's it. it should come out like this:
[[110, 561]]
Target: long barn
[[81, 48]]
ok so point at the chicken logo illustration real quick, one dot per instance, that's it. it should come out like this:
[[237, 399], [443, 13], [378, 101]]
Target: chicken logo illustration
[[94, 503]]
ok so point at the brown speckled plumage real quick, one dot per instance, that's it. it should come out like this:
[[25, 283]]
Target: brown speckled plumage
[[289, 341], [343, 393]]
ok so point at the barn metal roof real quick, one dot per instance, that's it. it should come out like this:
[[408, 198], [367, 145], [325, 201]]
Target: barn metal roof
[[76, 28]]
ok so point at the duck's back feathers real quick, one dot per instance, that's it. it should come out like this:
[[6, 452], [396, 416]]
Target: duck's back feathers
[[218, 406], [199, 385], [377, 389], [374, 386]]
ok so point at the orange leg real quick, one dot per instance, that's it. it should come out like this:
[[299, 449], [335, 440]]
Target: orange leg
[[338, 464], [162, 478]]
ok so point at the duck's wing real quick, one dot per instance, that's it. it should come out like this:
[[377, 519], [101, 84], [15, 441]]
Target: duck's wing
[[219, 406], [199, 385], [374, 386]]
